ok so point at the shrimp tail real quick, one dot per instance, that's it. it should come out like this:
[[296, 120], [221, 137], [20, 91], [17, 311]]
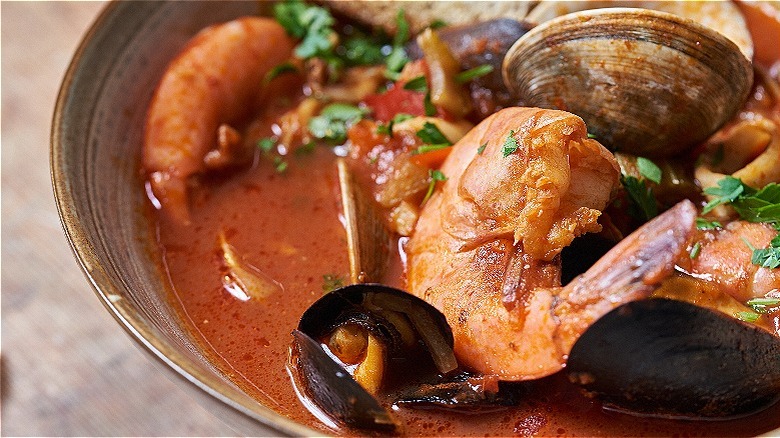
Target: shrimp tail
[[632, 270]]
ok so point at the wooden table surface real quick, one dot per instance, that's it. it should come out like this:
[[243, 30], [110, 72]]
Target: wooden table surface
[[66, 367]]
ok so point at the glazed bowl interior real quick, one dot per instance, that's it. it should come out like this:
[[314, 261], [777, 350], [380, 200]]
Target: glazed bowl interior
[[96, 146]]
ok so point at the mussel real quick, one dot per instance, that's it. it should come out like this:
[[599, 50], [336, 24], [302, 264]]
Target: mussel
[[363, 347], [646, 82], [667, 358]]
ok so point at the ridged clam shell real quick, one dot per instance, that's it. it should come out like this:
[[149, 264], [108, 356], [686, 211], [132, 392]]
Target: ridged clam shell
[[645, 82]]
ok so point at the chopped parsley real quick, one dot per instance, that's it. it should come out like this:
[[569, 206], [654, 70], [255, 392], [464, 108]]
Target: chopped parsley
[[311, 24], [430, 134], [643, 204], [764, 304], [266, 144], [419, 84], [305, 148], [435, 176], [437, 24], [481, 148], [753, 206], [430, 108], [279, 70], [331, 282], [474, 73], [648, 170], [510, 144], [695, 250], [747, 316], [334, 120], [388, 129], [280, 164], [429, 148], [704, 224], [398, 57], [591, 135]]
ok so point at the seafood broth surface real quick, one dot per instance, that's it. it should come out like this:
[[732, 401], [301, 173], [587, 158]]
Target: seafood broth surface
[[268, 219], [281, 220]]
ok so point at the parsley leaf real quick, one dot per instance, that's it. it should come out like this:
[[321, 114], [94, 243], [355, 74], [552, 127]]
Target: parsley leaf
[[279, 70], [331, 282], [280, 164], [430, 108], [643, 204], [266, 144], [481, 149], [763, 304], [430, 134], [704, 224], [510, 144], [473, 73], [334, 120], [728, 190], [398, 57], [648, 169], [388, 129], [437, 24], [429, 148], [767, 257], [695, 250], [435, 175], [747, 316], [419, 84], [311, 24]]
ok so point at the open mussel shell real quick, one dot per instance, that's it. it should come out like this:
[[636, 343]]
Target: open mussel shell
[[388, 315], [645, 82], [667, 358]]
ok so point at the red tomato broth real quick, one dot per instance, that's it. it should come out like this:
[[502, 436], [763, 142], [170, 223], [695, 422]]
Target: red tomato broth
[[287, 225]]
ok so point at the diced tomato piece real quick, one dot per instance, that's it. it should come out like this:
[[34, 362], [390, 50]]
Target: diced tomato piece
[[395, 101]]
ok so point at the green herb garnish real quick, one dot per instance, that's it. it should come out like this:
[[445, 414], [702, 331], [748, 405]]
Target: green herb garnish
[[429, 148], [334, 120], [510, 144], [747, 316], [591, 135], [418, 84], [398, 57], [305, 148], [695, 250], [763, 304], [430, 134], [311, 24], [648, 169], [704, 224], [430, 108], [266, 144], [331, 282], [481, 148], [643, 204], [388, 129], [279, 70], [474, 73], [437, 24], [435, 176], [280, 164]]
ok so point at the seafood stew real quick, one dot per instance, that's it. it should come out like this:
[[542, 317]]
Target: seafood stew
[[378, 228]]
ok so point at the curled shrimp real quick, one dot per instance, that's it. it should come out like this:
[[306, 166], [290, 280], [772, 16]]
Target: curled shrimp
[[214, 80], [486, 249]]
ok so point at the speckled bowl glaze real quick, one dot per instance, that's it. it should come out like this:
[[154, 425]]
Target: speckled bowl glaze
[[95, 157]]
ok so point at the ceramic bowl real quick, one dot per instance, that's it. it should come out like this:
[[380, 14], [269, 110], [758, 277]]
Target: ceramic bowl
[[96, 145]]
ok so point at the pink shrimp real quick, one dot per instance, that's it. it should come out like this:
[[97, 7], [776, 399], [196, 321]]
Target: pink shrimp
[[485, 250], [216, 79]]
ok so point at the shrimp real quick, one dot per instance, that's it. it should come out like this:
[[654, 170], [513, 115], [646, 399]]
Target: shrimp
[[215, 80], [486, 248], [725, 259]]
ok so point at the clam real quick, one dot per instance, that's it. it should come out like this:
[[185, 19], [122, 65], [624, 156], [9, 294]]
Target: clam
[[368, 239], [646, 82]]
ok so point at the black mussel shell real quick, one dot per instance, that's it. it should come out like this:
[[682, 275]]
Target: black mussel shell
[[465, 392], [483, 43], [671, 359], [325, 382]]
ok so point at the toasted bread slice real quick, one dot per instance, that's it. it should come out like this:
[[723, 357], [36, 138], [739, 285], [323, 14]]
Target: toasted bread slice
[[420, 14]]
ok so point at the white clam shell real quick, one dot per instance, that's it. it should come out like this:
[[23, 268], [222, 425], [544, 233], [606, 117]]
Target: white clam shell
[[645, 82]]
